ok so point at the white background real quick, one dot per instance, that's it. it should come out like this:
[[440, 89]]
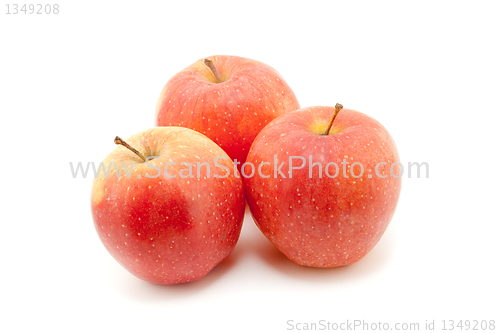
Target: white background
[[69, 83]]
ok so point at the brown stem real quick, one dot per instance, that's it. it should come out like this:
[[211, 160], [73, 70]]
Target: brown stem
[[210, 64], [122, 142], [338, 107]]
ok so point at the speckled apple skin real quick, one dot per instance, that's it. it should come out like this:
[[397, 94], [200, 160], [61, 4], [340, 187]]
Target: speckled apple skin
[[230, 113], [168, 230], [324, 222]]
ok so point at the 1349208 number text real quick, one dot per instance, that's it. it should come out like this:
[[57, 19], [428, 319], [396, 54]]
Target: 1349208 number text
[[36, 9]]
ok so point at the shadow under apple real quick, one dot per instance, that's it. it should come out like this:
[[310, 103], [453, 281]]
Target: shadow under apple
[[137, 289], [253, 243], [376, 260]]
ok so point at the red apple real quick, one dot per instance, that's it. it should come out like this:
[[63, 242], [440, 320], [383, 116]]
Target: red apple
[[227, 98], [162, 222], [328, 220]]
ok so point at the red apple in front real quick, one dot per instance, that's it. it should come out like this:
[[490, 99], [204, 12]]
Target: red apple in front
[[227, 98], [172, 219], [335, 218]]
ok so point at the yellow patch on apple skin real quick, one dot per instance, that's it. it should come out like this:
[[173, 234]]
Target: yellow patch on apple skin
[[204, 72], [159, 102], [97, 190], [319, 127]]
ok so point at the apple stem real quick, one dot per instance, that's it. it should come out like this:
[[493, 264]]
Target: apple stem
[[338, 107], [210, 64], [120, 141]]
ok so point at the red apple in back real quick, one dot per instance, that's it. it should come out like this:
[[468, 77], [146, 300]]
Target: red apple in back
[[332, 220], [231, 112], [161, 224]]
